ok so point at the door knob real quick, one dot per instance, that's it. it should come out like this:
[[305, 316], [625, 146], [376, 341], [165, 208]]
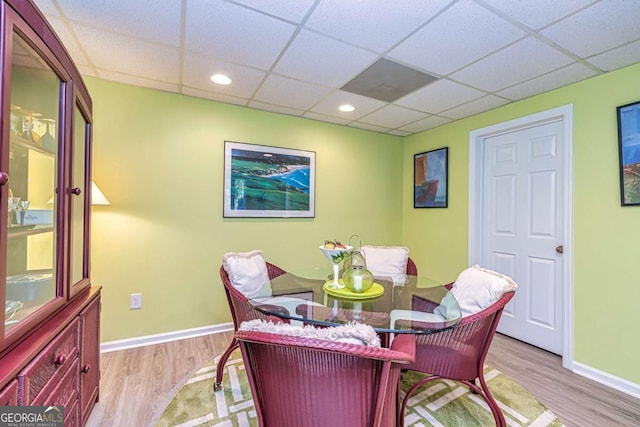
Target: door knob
[[559, 249]]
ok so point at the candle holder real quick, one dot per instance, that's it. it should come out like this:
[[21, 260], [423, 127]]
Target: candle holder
[[357, 278]]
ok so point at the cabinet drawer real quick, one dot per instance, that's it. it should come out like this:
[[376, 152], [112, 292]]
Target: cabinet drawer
[[9, 394], [49, 366], [64, 392]]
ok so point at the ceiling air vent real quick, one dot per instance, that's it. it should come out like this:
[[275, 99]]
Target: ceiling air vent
[[387, 81]]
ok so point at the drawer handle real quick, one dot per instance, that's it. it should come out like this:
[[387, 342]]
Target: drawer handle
[[60, 360], [85, 369]]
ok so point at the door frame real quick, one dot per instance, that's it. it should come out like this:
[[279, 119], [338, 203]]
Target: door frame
[[476, 196]]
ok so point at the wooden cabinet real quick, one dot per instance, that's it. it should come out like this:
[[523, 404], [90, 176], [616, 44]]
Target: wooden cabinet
[[59, 363], [49, 332]]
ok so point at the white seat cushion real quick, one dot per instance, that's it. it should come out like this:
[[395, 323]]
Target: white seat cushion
[[352, 333], [387, 261], [248, 272], [477, 288], [415, 316]]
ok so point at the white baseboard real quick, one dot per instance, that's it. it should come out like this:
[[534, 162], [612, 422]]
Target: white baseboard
[[142, 341], [607, 379]]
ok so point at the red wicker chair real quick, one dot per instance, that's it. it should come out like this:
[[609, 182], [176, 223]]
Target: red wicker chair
[[458, 354], [240, 311], [412, 269], [311, 382]]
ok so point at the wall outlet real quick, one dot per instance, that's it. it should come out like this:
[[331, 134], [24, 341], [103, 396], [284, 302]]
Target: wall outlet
[[135, 301]]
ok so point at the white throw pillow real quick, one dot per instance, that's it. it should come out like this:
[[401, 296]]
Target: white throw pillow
[[477, 288], [387, 261], [248, 272], [352, 333]]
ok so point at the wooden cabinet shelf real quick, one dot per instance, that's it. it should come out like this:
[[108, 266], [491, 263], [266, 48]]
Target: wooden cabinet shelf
[[23, 144]]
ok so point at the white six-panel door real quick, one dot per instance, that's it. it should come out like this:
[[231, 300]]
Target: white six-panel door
[[522, 233]]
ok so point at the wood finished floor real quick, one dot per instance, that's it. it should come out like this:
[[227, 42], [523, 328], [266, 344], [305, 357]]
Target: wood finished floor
[[134, 383]]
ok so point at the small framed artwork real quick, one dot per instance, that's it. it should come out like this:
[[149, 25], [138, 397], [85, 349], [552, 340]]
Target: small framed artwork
[[431, 178], [268, 182], [629, 151]]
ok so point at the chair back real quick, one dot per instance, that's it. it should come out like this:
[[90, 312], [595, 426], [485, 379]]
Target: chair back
[[238, 303], [459, 353], [412, 269], [298, 381]]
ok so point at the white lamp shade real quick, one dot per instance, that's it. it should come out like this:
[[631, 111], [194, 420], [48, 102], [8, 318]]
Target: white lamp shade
[[97, 196]]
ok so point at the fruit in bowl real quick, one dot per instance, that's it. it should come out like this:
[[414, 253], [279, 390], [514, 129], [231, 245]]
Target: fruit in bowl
[[334, 244], [334, 250]]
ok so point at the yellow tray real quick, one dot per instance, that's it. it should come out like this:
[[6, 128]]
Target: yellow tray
[[374, 291]]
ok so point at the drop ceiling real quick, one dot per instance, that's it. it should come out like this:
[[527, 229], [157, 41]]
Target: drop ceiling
[[294, 56]]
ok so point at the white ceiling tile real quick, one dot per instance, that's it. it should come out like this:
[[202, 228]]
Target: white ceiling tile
[[539, 13], [517, 63], [363, 105], [198, 70], [562, 77], [129, 17], [586, 33], [617, 58], [275, 108], [47, 7], [462, 34], [476, 106], [378, 26], [213, 30], [294, 11], [439, 96], [295, 94], [110, 51], [69, 41], [197, 93], [87, 71], [324, 118], [399, 132], [367, 126], [137, 81], [392, 116], [319, 59], [479, 46], [424, 124]]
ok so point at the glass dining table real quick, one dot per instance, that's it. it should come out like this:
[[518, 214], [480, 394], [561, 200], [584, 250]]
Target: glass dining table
[[414, 305]]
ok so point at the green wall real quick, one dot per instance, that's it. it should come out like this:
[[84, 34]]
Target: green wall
[[606, 285], [159, 157]]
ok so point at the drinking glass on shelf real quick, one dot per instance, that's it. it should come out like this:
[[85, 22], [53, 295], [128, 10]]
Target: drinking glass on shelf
[[23, 205], [12, 205], [47, 139], [15, 120], [28, 125]]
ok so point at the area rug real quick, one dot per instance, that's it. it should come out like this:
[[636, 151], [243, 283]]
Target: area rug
[[440, 403]]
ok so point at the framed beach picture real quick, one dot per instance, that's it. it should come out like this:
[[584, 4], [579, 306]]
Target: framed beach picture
[[268, 182], [431, 178], [629, 151]]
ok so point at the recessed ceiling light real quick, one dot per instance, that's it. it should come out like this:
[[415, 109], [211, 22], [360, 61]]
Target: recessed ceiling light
[[221, 79], [346, 108]]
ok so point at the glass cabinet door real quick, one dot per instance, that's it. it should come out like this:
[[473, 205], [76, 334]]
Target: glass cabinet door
[[31, 195], [80, 199]]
